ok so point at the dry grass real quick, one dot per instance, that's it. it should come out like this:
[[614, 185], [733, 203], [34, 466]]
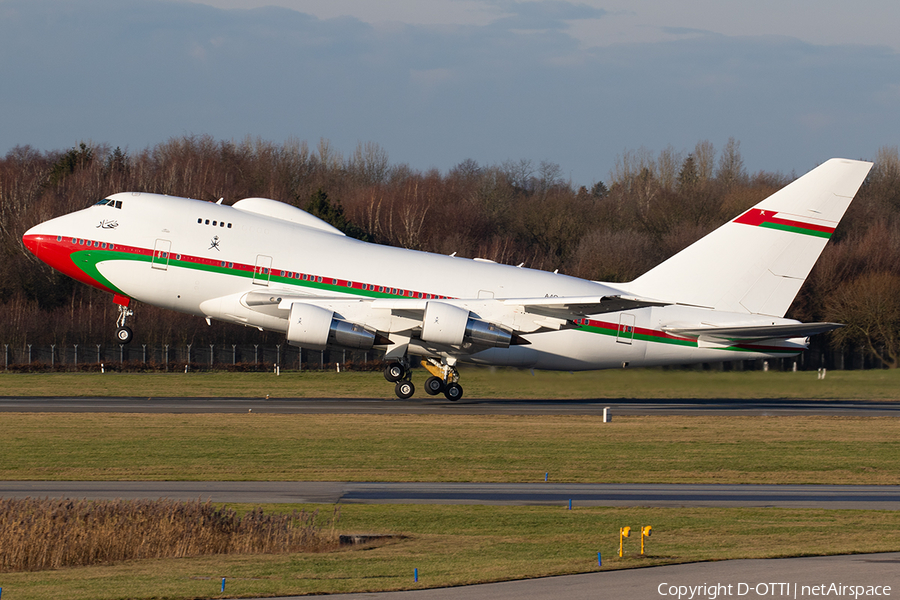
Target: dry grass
[[37, 535], [462, 544]]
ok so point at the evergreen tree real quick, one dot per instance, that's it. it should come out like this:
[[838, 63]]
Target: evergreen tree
[[73, 160], [320, 206]]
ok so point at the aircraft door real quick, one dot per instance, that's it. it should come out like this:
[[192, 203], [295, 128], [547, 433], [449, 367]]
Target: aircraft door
[[263, 269], [160, 258], [625, 333]]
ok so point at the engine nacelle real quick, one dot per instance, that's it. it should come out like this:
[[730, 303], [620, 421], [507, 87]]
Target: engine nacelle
[[314, 327], [452, 326], [444, 324]]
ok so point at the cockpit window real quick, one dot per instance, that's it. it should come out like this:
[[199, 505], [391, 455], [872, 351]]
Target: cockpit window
[[110, 203]]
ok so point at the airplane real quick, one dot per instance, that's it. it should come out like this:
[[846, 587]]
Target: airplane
[[266, 264]]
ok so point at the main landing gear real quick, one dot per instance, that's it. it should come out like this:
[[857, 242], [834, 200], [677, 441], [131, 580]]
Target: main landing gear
[[123, 332], [444, 379]]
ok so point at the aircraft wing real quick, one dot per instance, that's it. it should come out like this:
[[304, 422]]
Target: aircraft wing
[[756, 332], [566, 307], [519, 315]]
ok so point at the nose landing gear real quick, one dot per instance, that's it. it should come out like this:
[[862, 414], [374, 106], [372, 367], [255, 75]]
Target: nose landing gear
[[123, 333]]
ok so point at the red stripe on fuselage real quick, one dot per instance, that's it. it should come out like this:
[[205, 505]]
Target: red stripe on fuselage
[[58, 253], [614, 327]]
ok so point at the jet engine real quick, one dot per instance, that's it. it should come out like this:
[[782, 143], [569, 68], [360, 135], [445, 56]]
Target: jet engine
[[452, 326], [315, 327]]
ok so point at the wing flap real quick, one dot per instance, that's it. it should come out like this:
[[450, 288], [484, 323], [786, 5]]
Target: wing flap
[[573, 307]]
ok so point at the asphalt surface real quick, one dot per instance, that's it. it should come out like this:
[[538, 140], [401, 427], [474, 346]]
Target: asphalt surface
[[618, 406], [519, 494], [784, 578]]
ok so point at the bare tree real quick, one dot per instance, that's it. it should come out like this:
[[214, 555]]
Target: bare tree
[[870, 308], [731, 165]]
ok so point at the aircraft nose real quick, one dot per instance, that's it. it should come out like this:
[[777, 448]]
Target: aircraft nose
[[32, 240]]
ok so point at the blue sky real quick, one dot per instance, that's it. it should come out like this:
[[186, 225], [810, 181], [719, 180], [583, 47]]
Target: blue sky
[[436, 82]]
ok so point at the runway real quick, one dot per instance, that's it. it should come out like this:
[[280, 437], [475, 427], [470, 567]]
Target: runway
[[618, 406], [519, 494]]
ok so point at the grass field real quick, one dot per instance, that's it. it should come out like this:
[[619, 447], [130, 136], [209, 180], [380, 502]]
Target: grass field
[[494, 448], [478, 383], [453, 545]]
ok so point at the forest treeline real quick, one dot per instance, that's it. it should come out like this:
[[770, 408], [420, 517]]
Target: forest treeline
[[650, 206]]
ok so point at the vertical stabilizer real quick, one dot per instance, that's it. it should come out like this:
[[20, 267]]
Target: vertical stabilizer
[[757, 262]]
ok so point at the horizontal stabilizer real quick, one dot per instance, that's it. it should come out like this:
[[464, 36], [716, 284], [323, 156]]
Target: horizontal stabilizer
[[757, 332]]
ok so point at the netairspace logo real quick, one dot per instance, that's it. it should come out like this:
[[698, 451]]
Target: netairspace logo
[[779, 589]]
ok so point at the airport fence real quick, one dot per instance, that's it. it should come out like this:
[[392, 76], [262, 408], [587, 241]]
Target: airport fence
[[259, 357], [181, 357]]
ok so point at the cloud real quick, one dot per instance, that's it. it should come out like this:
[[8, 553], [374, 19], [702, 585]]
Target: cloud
[[544, 14]]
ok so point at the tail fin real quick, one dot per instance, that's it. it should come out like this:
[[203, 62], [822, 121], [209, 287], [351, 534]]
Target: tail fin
[[757, 262]]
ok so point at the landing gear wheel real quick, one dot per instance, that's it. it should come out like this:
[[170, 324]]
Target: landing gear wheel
[[124, 334], [434, 386], [404, 389], [394, 372], [453, 392]]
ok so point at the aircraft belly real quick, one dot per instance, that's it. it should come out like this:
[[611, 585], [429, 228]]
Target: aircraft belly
[[514, 356], [571, 350]]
